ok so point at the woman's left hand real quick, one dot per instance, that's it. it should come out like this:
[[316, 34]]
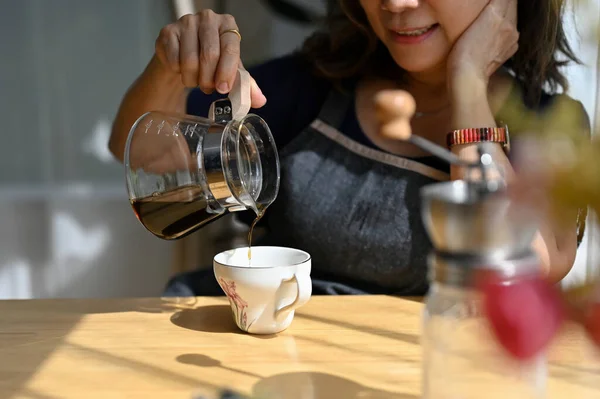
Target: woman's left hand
[[485, 46]]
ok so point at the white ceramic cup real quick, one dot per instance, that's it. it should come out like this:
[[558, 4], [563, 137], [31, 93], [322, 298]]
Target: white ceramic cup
[[265, 292]]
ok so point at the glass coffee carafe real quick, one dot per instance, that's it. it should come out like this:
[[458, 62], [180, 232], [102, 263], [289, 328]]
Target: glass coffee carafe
[[185, 171]]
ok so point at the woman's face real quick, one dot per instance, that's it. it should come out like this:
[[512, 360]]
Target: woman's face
[[419, 34]]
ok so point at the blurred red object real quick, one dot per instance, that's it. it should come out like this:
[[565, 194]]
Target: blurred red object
[[524, 314]]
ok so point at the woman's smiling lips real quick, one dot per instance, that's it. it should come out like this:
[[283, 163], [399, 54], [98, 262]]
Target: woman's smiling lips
[[413, 35]]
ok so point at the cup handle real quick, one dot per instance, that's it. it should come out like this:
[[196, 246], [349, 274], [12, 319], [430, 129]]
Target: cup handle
[[304, 284]]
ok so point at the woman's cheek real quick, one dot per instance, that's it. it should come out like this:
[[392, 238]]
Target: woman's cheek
[[455, 16]]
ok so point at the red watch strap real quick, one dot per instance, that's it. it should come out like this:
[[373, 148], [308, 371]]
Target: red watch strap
[[478, 135]]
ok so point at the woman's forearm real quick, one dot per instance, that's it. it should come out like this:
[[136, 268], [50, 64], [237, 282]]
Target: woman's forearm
[[555, 246], [154, 90]]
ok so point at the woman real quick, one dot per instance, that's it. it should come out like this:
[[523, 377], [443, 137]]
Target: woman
[[349, 194]]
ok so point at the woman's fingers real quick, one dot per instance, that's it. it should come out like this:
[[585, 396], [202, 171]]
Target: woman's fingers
[[229, 60], [210, 49], [188, 51], [204, 49]]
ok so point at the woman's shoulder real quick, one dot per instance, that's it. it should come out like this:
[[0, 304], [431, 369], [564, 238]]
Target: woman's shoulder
[[291, 66], [550, 102], [553, 113], [289, 82], [294, 95], [564, 114]]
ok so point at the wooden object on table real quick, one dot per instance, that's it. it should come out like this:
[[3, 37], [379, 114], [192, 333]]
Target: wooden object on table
[[351, 347]]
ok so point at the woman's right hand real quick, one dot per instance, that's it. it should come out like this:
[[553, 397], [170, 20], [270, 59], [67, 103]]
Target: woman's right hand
[[203, 53]]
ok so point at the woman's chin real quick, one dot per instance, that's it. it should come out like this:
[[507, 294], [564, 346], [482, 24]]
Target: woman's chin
[[421, 63]]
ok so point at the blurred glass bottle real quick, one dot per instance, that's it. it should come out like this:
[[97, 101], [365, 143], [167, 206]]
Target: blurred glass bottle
[[462, 359]]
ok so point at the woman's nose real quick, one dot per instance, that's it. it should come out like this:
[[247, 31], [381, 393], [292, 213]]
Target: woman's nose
[[398, 5]]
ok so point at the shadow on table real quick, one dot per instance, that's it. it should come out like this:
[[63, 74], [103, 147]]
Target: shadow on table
[[111, 305], [204, 361], [211, 318], [312, 385], [408, 338], [300, 385], [218, 319]]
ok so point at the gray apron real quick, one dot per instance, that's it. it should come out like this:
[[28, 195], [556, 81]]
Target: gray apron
[[355, 209]]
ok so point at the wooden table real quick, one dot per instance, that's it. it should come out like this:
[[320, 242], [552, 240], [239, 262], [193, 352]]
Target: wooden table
[[337, 347]]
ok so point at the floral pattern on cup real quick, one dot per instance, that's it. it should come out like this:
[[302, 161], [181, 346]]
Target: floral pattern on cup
[[238, 303]]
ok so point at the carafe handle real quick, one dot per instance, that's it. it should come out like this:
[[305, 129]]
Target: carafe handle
[[237, 104], [240, 96]]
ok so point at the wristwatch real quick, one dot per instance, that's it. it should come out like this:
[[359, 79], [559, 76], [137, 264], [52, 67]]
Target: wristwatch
[[480, 135]]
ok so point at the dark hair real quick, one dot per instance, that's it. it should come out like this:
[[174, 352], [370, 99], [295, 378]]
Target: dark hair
[[347, 48]]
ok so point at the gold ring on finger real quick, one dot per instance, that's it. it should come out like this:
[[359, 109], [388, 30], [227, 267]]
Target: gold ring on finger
[[237, 32]]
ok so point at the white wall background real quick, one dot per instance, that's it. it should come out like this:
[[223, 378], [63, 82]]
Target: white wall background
[[66, 228]]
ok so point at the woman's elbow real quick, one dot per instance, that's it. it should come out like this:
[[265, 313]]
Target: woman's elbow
[[116, 145], [556, 252], [562, 261]]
